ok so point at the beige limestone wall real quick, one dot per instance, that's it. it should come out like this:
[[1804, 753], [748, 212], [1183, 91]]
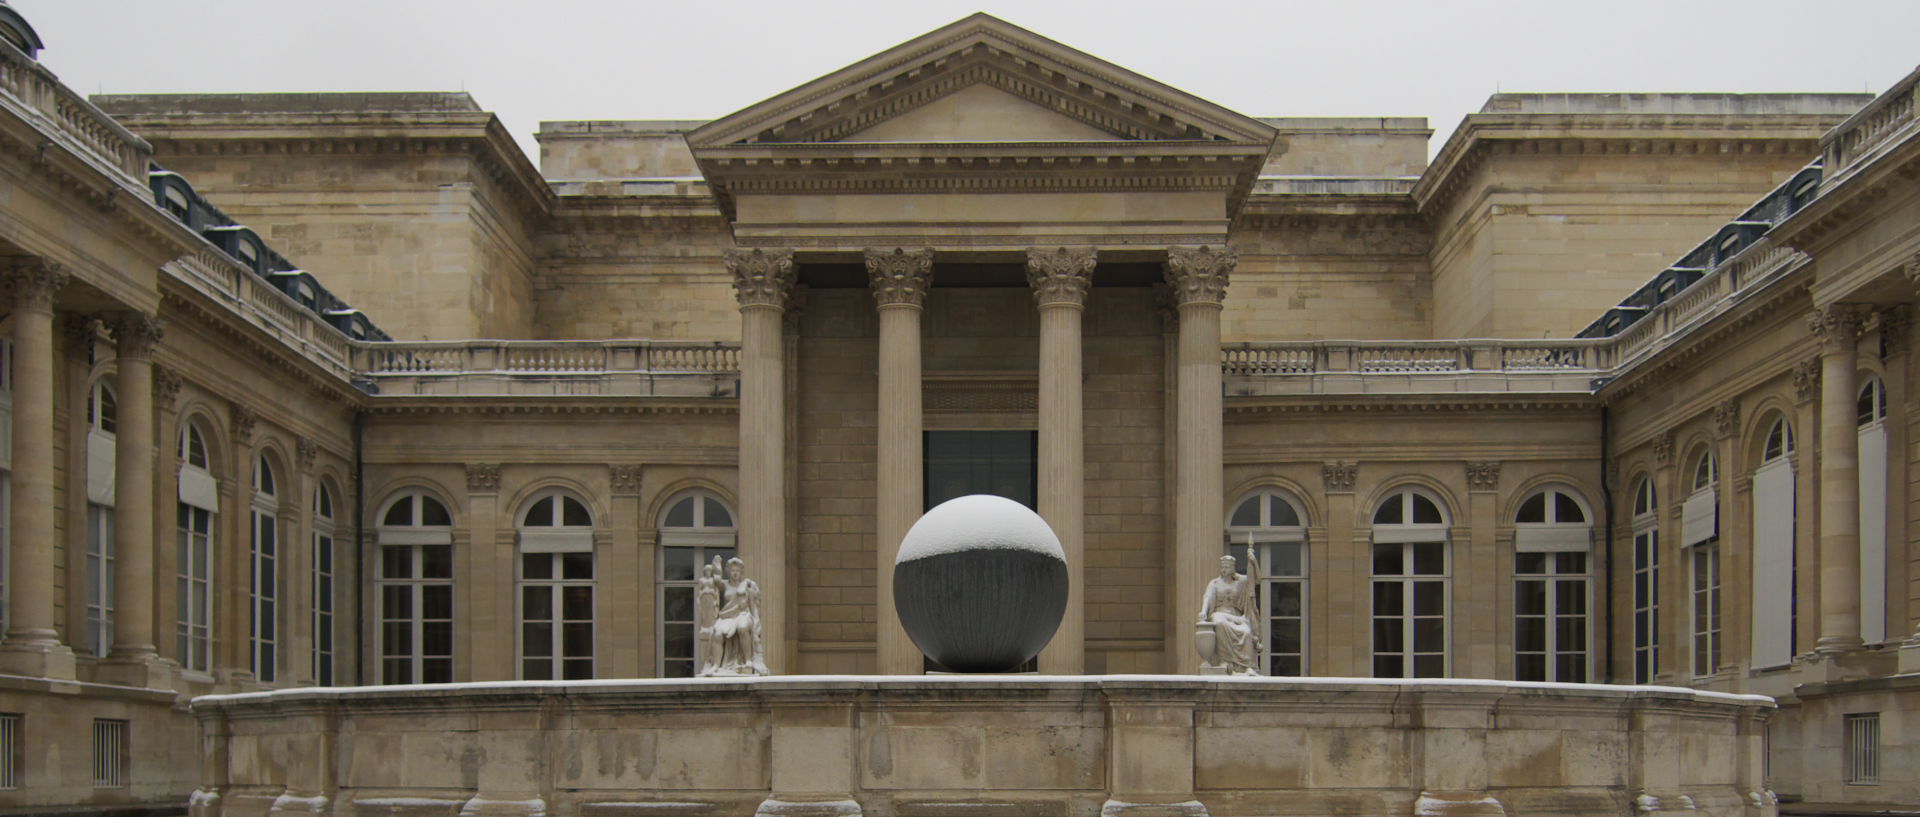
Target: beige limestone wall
[[612, 275], [1127, 483], [1117, 745], [600, 149], [1328, 277], [1348, 146], [1540, 244], [53, 747], [835, 492]]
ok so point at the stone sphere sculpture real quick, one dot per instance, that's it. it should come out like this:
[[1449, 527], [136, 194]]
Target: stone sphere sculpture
[[980, 584]]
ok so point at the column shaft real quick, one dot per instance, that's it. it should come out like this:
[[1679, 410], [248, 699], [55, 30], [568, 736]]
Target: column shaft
[[133, 632], [1060, 280], [33, 645], [900, 280], [1838, 326], [1199, 280], [762, 282]]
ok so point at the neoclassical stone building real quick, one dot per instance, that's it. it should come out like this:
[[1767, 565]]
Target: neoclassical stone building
[[343, 389]]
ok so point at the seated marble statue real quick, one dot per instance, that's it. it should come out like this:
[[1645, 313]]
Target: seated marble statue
[[737, 628], [1228, 612]]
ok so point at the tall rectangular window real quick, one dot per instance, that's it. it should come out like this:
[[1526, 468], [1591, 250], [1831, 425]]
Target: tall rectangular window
[[1001, 463], [323, 608], [263, 594], [1283, 594], [1550, 629], [193, 584], [1705, 560], [416, 614], [556, 616], [1646, 604], [1410, 588], [679, 566], [110, 753], [99, 579]]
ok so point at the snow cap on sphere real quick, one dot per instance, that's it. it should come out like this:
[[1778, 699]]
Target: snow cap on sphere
[[978, 522]]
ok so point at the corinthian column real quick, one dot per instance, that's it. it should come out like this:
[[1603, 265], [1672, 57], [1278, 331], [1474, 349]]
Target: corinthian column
[[1198, 278], [133, 661], [32, 647], [1838, 327], [900, 279], [762, 280], [1060, 279]]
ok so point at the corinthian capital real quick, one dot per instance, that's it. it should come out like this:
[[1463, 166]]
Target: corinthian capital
[[33, 282], [1837, 326], [761, 277], [1060, 276], [1199, 274], [134, 335], [900, 276]]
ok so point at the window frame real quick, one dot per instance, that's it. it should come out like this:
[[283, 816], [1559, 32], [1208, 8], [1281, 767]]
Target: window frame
[[323, 586], [1406, 537], [1646, 592], [265, 552], [410, 541], [705, 542], [554, 542], [1268, 536]]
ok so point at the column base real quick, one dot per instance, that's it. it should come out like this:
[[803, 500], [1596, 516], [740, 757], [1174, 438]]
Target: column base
[[37, 659], [1909, 656], [1458, 804], [135, 669], [1117, 807], [480, 806], [1838, 644], [775, 807]]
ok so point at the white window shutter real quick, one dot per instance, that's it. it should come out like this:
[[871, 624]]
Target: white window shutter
[[1699, 517], [1873, 533], [1773, 564]]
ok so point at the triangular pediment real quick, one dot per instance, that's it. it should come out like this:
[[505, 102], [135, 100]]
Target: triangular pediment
[[921, 90], [980, 113]]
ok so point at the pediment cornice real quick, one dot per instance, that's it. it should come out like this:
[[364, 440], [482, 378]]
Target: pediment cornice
[[981, 49]]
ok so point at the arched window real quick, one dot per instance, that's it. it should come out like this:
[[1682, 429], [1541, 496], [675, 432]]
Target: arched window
[[1700, 536], [556, 588], [323, 572], [1411, 585], [1871, 420], [193, 573], [263, 575], [103, 419], [696, 528], [1552, 583], [1775, 566], [1271, 523], [415, 583], [1646, 582]]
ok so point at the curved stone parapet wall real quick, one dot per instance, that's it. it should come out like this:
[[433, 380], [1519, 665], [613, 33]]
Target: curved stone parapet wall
[[998, 746]]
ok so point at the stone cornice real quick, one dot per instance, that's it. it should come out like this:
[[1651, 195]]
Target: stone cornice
[[179, 301], [1844, 199], [1790, 292], [495, 405], [1245, 407]]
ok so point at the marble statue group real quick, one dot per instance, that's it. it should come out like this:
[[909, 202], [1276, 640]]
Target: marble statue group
[[729, 621], [1227, 634]]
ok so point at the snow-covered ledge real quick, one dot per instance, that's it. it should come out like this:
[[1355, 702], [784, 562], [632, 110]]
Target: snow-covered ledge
[[992, 746]]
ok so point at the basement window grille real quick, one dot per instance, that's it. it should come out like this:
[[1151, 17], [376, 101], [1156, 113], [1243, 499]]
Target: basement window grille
[[10, 751], [109, 754], [1863, 749]]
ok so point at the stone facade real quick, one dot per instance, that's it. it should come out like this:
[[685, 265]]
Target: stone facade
[[675, 339]]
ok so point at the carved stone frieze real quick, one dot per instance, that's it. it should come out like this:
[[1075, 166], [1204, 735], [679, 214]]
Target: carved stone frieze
[[1726, 418], [1199, 274], [1806, 380], [900, 277], [1340, 476], [135, 334], [166, 386], [796, 309], [1483, 476], [244, 421], [1837, 326], [81, 331], [1061, 275], [483, 477], [761, 277], [306, 451], [1896, 328], [625, 478], [33, 282], [1663, 449]]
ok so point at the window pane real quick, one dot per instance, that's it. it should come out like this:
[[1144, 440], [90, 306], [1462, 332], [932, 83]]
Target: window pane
[[1570, 668], [1387, 600], [1533, 510], [434, 513], [1386, 666], [1390, 512], [576, 566], [681, 514], [717, 516], [1281, 513], [1285, 599], [396, 671], [1529, 634], [540, 514], [1570, 562], [1429, 666], [537, 670], [1429, 635], [677, 669], [436, 561], [1247, 515], [1388, 636], [678, 603], [676, 564], [1286, 665], [576, 669], [576, 603], [1529, 563], [1570, 597], [536, 565], [536, 603], [1530, 667], [576, 640], [1286, 560], [1286, 637], [436, 671], [436, 638], [400, 513], [1530, 598], [1566, 510], [1429, 599], [574, 513], [536, 640], [1424, 511], [436, 601], [1570, 633], [1387, 560], [396, 602], [677, 641], [396, 638], [1430, 559]]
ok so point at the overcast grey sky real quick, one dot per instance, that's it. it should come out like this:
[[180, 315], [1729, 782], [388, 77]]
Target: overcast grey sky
[[602, 59]]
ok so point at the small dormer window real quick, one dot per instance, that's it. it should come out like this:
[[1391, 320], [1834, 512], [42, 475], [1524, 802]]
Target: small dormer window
[[248, 254], [175, 202]]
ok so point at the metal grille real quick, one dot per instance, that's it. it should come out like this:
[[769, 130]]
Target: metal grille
[[9, 751], [1863, 749], [109, 754]]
